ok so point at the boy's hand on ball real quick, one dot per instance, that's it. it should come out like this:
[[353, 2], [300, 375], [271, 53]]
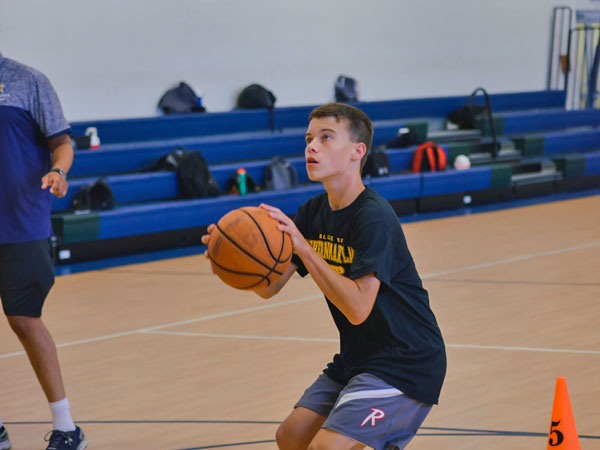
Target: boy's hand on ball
[[286, 225], [206, 239]]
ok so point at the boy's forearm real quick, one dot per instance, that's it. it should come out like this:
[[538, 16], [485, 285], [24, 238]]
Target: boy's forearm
[[271, 290], [346, 294]]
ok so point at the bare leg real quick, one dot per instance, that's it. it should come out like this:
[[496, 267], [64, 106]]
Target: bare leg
[[330, 440], [41, 350], [300, 427]]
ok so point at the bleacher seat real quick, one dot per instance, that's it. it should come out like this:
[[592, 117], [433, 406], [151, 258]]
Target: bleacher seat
[[149, 214]]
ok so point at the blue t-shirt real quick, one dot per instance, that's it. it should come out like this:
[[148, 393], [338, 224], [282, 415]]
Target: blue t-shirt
[[400, 341], [30, 114]]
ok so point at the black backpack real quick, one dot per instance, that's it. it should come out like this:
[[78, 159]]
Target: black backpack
[[465, 118], [280, 174], [346, 89], [180, 100], [377, 164], [95, 197], [404, 138], [256, 96], [171, 160], [195, 179]]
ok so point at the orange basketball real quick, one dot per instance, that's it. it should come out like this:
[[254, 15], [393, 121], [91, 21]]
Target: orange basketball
[[247, 250]]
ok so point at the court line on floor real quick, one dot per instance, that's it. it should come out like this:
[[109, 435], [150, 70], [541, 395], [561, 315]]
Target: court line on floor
[[179, 323], [244, 336], [450, 430], [512, 260], [312, 297], [312, 339], [511, 282]]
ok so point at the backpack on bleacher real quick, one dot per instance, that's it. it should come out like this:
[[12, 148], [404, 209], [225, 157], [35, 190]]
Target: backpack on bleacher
[[256, 96], [280, 174], [180, 99], [195, 179], [404, 138], [429, 157], [466, 118], [170, 161], [377, 164], [346, 89], [97, 196]]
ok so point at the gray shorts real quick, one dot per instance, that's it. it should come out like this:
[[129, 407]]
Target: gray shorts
[[367, 409]]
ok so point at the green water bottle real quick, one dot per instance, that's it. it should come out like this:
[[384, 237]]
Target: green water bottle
[[241, 181]]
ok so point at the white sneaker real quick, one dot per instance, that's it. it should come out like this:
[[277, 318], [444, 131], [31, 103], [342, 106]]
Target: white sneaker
[[4, 440]]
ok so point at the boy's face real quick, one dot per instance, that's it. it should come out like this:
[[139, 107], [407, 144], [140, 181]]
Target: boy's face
[[330, 150]]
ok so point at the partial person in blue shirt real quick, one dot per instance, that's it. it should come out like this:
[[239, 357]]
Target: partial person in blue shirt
[[36, 154]]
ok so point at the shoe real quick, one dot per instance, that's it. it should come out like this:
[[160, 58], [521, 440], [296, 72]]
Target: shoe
[[66, 440], [4, 440]]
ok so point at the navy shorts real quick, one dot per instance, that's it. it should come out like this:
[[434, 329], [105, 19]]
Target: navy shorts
[[26, 276], [367, 409]]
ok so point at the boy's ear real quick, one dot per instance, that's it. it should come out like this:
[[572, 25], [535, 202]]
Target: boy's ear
[[359, 151]]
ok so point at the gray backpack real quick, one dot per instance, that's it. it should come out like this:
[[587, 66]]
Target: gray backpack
[[280, 174]]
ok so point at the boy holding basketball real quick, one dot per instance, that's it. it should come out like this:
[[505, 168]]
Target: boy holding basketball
[[380, 387]]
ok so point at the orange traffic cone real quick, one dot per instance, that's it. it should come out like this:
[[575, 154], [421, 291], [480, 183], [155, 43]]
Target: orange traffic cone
[[562, 435]]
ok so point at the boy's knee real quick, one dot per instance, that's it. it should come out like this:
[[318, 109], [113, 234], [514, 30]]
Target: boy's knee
[[282, 436]]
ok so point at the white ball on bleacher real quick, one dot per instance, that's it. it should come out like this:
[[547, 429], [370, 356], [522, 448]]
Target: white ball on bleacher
[[462, 162]]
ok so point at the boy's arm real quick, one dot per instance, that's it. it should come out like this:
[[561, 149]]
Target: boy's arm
[[354, 298], [270, 291]]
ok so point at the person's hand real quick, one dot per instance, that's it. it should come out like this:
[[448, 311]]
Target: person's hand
[[205, 240], [288, 226], [56, 182]]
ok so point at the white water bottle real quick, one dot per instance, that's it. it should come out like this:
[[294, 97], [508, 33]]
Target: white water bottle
[[92, 132]]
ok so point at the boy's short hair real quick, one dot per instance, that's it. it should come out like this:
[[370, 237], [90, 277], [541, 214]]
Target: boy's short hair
[[359, 124]]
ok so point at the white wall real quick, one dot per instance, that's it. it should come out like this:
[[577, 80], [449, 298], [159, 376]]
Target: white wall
[[114, 58]]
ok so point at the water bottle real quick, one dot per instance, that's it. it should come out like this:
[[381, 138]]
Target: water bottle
[[92, 132], [241, 181]]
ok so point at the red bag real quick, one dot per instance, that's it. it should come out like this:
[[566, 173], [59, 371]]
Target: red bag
[[429, 157]]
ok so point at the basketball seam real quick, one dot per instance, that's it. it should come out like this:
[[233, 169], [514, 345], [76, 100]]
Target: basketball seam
[[262, 234], [248, 253], [264, 277], [277, 259]]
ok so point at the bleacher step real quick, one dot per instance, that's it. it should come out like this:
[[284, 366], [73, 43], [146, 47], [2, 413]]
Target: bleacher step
[[545, 175]]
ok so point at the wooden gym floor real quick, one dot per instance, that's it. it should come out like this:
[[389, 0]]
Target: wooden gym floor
[[163, 355]]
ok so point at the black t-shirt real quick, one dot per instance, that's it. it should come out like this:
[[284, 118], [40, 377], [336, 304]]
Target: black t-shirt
[[400, 342]]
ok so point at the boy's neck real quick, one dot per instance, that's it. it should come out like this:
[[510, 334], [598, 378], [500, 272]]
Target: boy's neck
[[342, 192]]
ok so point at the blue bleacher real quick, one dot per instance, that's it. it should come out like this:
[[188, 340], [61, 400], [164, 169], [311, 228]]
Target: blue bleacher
[[147, 201], [182, 126], [592, 164], [571, 141], [136, 156], [540, 120]]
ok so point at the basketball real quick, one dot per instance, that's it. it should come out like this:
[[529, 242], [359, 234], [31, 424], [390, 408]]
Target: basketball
[[246, 250]]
